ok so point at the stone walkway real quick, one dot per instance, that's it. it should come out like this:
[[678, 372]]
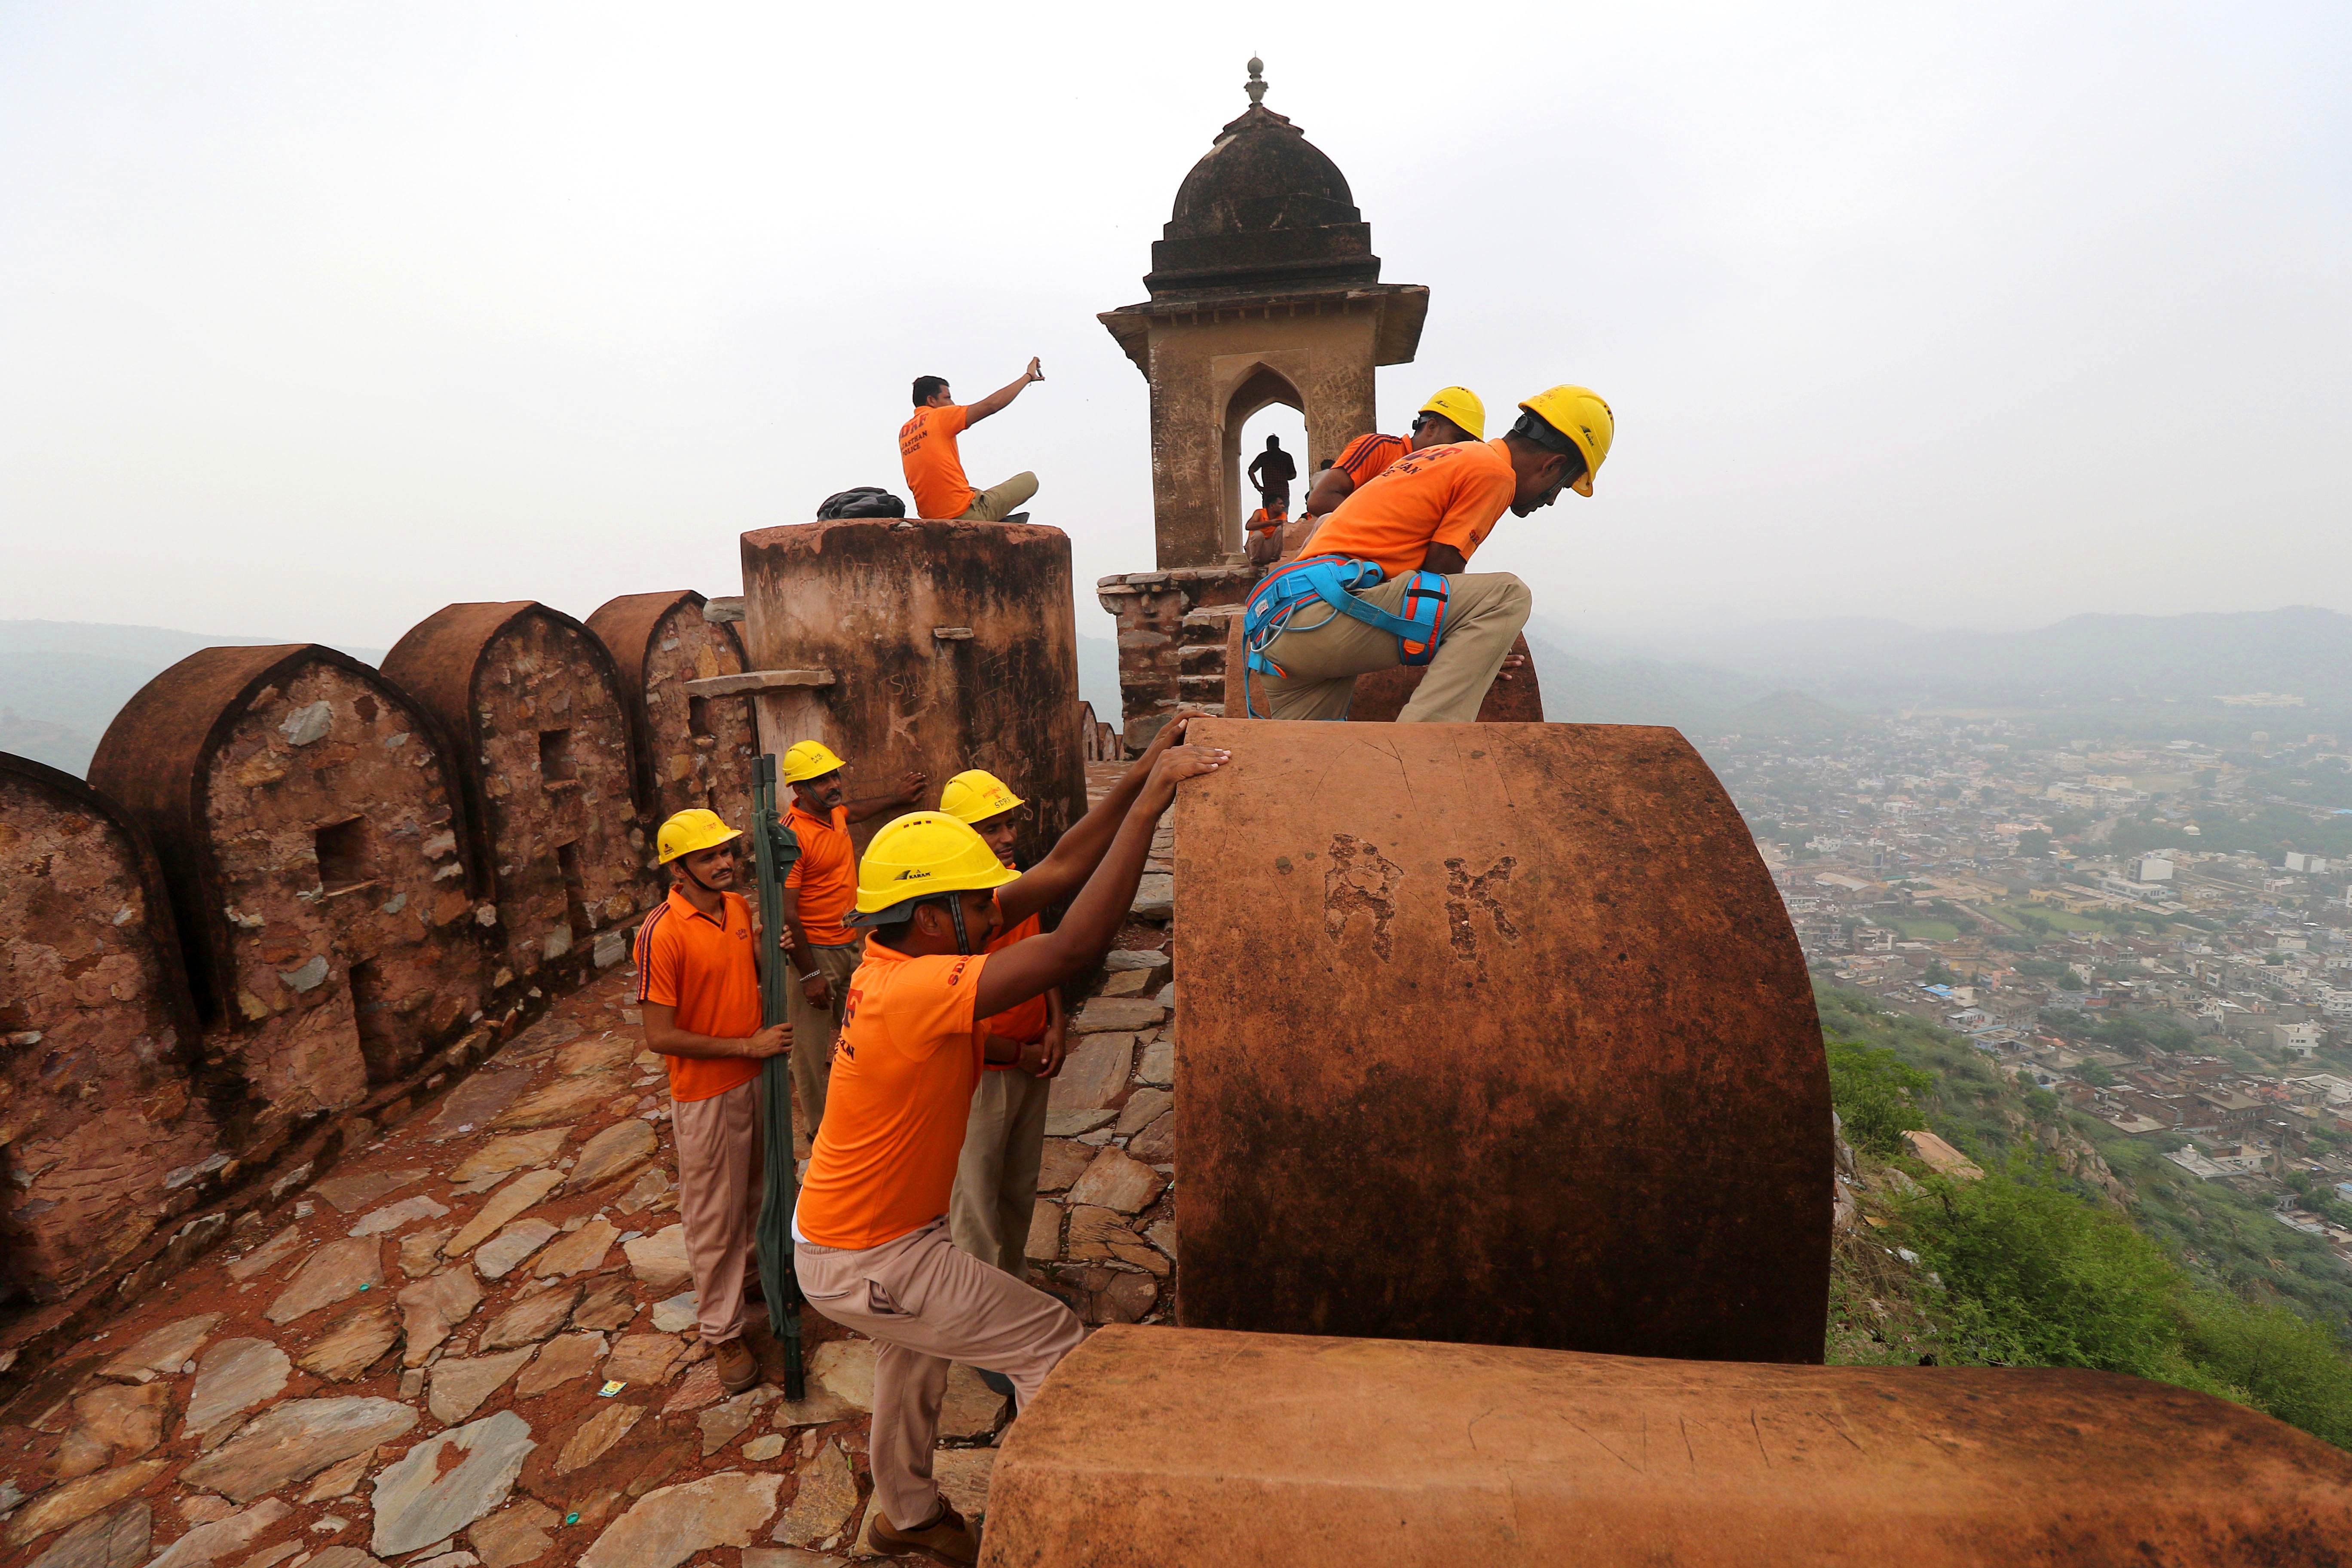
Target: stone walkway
[[472, 1342]]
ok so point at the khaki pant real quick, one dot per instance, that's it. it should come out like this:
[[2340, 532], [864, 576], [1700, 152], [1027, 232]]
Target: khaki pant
[[926, 1302], [997, 504], [996, 1179], [1484, 612], [813, 1028], [719, 1174]]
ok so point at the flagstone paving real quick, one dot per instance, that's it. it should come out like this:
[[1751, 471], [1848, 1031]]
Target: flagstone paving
[[415, 1356]]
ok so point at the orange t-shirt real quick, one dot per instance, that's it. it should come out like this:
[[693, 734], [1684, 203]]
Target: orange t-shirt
[[825, 876], [702, 967], [1022, 1021], [1368, 456], [899, 1095], [927, 450], [1440, 495]]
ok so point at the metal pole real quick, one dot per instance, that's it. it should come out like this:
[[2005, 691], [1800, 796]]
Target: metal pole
[[773, 849]]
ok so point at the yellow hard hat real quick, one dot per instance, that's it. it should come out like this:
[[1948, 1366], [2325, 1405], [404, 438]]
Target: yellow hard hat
[[977, 795], [692, 829], [1579, 414], [808, 760], [921, 856], [1460, 404]]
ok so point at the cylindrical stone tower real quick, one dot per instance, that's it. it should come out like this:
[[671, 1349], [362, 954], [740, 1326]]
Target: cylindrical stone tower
[[951, 645]]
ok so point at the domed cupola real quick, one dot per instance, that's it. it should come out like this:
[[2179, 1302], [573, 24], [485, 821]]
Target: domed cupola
[[1263, 208]]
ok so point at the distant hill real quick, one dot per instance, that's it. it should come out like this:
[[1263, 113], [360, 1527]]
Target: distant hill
[[62, 682], [2083, 660], [2180, 663]]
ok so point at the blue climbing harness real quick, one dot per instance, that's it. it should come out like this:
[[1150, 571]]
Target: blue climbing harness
[[1335, 580]]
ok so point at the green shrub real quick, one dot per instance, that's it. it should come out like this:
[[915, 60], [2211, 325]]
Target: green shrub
[[1876, 1095], [2039, 1277], [2288, 1365]]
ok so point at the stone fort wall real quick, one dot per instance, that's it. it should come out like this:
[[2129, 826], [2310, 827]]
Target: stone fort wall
[[296, 893]]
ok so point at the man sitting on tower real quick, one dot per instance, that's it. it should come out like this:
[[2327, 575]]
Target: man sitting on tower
[[934, 466]]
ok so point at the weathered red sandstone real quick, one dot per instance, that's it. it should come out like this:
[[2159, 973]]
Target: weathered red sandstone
[[99, 1118], [306, 813], [693, 751], [952, 646], [1216, 1449], [540, 719], [1493, 1033]]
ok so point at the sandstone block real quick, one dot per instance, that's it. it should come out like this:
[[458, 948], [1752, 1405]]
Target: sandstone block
[[607, 1426], [641, 1358], [1117, 1012], [659, 1260], [1143, 1107], [294, 1441], [162, 1351], [582, 1250], [234, 1377], [431, 1308], [503, 1205], [420, 1500], [505, 1252], [530, 1320], [207, 1543], [338, 1270], [1093, 1074], [515, 1534], [614, 1154], [514, 1151], [118, 1540], [558, 1362], [668, 1526], [1116, 1182], [827, 1500], [457, 1388], [79, 1499], [357, 1341], [1062, 1163]]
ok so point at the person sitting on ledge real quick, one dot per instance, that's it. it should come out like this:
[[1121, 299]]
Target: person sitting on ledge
[[1452, 415], [926, 449]]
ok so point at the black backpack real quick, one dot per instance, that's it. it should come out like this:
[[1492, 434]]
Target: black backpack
[[866, 500]]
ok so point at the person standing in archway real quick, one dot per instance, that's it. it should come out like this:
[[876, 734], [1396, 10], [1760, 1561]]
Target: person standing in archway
[[1270, 472], [934, 468]]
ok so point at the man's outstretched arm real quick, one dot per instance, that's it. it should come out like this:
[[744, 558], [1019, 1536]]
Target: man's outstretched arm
[[1073, 858], [995, 401], [1014, 975]]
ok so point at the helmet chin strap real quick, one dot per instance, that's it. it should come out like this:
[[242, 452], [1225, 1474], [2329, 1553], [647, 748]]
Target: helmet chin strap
[[695, 879], [955, 912]]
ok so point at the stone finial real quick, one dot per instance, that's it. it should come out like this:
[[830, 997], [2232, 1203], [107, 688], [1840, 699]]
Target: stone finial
[[1255, 86]]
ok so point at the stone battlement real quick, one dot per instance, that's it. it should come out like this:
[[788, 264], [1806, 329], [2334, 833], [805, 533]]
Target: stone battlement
[[296, 891]]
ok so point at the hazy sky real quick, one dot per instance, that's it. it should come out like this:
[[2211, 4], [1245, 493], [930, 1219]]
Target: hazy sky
[[314, 317]]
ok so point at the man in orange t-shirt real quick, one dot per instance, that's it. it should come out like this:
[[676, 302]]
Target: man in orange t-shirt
[[819, 891], [1429, 511], [698, 994], [1452, 414], [928, 451], [872, 1249]]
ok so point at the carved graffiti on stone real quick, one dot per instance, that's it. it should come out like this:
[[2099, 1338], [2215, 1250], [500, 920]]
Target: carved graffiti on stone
[[1463, 893], [1360, 878]]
